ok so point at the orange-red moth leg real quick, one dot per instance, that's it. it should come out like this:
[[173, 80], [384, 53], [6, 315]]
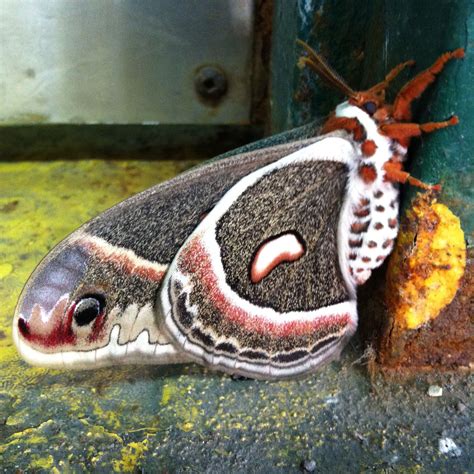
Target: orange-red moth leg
[[403, 131], [413, 90], [395, 174]]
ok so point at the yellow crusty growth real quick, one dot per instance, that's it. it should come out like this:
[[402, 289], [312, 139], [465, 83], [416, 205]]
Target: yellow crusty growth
[[132, 454], [428, 264]]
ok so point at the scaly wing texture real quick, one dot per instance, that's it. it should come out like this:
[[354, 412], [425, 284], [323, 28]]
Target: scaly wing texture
[[123, 255], [155, 223], [257, 289]]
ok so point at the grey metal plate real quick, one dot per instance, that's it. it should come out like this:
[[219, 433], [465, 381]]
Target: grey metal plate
[[128, 61]]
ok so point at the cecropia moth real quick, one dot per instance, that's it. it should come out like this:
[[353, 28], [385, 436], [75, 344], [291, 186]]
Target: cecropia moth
[[248, 264]]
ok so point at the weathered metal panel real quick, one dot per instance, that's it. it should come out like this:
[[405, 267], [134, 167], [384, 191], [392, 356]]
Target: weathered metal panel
[[124, 62]]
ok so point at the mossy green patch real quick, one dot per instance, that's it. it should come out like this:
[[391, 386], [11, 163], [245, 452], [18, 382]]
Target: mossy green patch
[[5, 269], [42, 462]]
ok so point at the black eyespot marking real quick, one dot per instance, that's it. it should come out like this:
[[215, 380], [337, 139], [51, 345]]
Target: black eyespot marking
[[88, 308], [370, 107]]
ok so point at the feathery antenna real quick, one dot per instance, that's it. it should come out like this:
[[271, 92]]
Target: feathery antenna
[[320, 66]]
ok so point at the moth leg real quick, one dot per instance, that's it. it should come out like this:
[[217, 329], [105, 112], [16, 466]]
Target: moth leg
[[413, 89], [404, 131], [382, 86], [395, 174]]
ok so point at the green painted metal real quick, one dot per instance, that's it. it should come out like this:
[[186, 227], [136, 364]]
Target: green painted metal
[[339, 31], [363, 40], [176, 142]]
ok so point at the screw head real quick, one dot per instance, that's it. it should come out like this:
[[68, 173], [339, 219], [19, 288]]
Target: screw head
[[210, 83]]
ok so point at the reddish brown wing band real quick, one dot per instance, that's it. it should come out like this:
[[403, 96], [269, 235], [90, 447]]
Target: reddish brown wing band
[[301, 313]]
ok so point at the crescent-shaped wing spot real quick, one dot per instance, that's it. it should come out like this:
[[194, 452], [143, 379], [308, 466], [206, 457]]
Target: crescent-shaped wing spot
[[283, 248]]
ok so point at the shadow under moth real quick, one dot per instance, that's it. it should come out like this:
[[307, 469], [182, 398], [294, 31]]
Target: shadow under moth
[[248, 264]]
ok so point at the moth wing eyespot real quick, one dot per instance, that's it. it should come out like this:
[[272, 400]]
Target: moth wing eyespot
[[88, 308]]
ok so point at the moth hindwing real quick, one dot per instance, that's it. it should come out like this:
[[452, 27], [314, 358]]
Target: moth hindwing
[[265, 286], [257, 287]]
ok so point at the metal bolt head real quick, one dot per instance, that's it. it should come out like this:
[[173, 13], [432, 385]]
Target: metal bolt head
[[210, 83]]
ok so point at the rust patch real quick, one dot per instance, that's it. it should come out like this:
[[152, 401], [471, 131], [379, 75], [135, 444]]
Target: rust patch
[[429, 293]]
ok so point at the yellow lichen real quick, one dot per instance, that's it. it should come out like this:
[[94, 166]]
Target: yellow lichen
[[108, 417], [166, 394], [44, 462], [97, 432], [185, 407], [5, 269], [428, 264], [131, 454], [28, 436]]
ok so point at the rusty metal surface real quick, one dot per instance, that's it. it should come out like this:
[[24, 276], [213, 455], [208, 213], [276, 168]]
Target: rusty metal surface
[[429, 293]]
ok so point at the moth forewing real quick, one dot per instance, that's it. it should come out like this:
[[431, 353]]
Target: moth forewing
[[122, 255]]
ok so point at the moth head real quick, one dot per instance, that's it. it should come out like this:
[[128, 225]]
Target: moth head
[[78, 305], [371, 101]]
